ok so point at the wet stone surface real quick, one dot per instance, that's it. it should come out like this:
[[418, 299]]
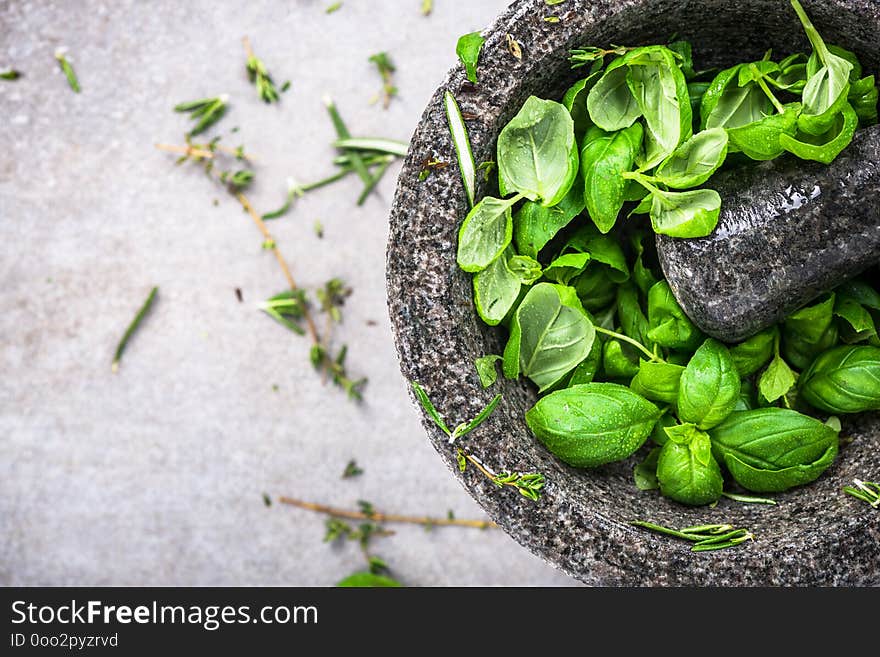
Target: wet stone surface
[[815, 535], [789, 231]]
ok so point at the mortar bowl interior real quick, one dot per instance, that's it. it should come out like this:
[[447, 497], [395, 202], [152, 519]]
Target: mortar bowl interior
[[815, 535]]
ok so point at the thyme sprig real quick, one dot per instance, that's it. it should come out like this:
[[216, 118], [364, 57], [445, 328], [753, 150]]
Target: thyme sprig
[[259, 75], [204, 111], [705, 538], [386, 70], [529, 484], [67, 68], [867, 491]]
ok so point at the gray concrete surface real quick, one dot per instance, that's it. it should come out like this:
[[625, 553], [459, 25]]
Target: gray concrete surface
[[154, 475]]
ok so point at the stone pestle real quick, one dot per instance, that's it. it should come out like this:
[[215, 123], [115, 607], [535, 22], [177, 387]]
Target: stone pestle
[[789, 231]]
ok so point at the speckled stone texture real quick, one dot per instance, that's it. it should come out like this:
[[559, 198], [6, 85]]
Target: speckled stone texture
[[789, 230], [815, 535]]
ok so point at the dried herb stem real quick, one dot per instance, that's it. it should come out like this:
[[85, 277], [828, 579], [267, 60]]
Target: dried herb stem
[[386, 517], [192, 151]]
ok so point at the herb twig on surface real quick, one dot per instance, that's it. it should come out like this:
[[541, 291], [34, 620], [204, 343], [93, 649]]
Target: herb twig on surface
[[67, 68], [705, 538], [135, 323], [9, 74], [204, 111], [259, 75], [377, 516], [386, 70], [867, 491]]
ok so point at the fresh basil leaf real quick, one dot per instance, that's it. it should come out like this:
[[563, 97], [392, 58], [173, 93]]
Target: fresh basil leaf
[[525, 268], [645, 473], [669, 326], [486, 370], [686, 470], [368, 580], [825, 91], [727, 105], [770, 450], [808, 332], [792, 74], [860, 292], [658, 382], [575, 101], [588, 367], [610, 103], [858, 323], [660, 91], [751, 355], [537, 153], [619, 362], [592, 424], [754, 71], [863, 98], [828, 146], [485, 233], [604, 159], [685, 57], [685, 214], [746, 396], [496, 289], [659, 435], [843, 380], [602, 248], [709, 386], [595, 288], [633, 322], [535, 225], [777, 380], [642, 276], [695, 95], [468, 51], [694, 162], [550, 334], [566, 267], [763, 139]]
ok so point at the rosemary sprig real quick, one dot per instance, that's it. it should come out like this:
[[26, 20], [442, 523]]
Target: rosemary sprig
[[135, 323], [67, 68], [529, 484], [462, 143], [705, 538], [287, 308], [386, 70], [9, 74], [748, 499], [205, 112], [259, 75], [357, 162], [374, 145], [867, 491]]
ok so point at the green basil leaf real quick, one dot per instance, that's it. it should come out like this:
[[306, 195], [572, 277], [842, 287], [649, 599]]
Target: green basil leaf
[[526, 268], [829, 145], [658, 382], [814, 63], [696, 90], [588, 367], [826, 89], [755, 71], [496, 290], [777, 380], [550, 334], [660, 91], [367, 580], [709, 387], [645, 473], [858, 323], [808, 332], [751, 355], [763, 139], [537, 153], [575, 101], [685, 214], [485, 366], [694, 162], [686, 470], [595, 288], [566, 267], [659, 435], [727, 105], [592, 424], [633, 322], [603, 161], [792, 74], [863, 98], [468, 51], [773, 449], [610, 103], [485, 233], [860, 292], [843, 380], [605, 249], [642, 276], [746, 396], [619, 362], [684, 56], [535, 225], [668, 325]]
